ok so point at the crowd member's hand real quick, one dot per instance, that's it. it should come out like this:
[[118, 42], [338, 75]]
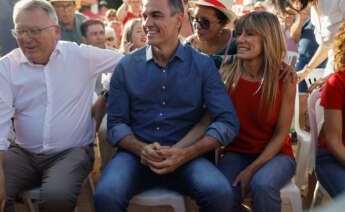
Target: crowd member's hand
[[318, 84], [301, 75], [304, 14], [244, 178], [2, 192], [151, 153], [287, 74], [174, 158], [127, 47]]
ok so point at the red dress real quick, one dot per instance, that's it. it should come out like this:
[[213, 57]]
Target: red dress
[[256, 126], [333, 97]]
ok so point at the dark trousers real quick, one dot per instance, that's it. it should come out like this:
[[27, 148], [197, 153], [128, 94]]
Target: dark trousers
[[59, 176]]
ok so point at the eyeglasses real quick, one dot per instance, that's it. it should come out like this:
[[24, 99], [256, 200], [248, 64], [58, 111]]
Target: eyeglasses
[[31, 32], [204, 23], [110, 39]]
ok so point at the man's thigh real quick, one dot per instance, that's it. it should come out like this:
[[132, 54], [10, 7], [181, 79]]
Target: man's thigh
[[124, 174], [122, 178], [63, 176], [20, 173], [204, 182]]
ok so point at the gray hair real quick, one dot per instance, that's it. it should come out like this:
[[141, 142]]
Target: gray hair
[[35, 4], [176, 6]]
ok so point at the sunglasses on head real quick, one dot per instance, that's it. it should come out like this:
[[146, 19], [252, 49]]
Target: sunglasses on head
[[110, 39], [111, 15], [204, 23]]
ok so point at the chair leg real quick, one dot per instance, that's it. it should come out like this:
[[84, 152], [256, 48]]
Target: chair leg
[[92, 185], [29, 203]]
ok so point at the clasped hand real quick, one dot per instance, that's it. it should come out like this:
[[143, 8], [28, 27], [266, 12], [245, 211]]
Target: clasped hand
[[162, 159]]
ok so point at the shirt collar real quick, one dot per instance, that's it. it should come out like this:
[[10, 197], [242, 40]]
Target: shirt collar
[[179, 53], [57, 50]]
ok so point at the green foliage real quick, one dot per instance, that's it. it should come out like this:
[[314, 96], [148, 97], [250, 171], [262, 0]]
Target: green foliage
[[114, 3]]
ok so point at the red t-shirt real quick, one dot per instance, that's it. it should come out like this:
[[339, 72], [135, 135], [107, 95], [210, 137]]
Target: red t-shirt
[[128, 17], [333, 97], [256, 126]]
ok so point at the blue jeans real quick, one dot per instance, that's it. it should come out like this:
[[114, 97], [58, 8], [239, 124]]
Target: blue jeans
[[125, 176], [330, 172], [266, 182]]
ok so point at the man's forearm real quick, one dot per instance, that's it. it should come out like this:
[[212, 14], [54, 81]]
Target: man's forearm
[[196, 133], [132, 144], [204, 145]]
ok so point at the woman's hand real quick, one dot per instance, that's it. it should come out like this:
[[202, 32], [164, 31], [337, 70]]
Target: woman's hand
[[244, 178]]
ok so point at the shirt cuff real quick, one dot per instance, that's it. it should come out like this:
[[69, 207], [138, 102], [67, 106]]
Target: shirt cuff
[[4, 144], [116, 133], [221, 132]]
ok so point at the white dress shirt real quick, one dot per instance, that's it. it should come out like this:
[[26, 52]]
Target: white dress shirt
[[51, 104], [327, 19]]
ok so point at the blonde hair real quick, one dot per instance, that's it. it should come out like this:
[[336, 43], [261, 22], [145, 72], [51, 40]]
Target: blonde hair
[[339, 48], [267, 26], [127, 33]]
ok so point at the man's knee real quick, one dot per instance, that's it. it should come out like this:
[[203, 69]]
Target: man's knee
[[58, 198], [110, 198]]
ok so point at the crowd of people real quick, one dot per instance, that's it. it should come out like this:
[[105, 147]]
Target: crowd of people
[[167, 82]]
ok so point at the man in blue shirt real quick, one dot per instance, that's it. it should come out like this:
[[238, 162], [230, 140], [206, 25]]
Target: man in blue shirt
[[156, 96]]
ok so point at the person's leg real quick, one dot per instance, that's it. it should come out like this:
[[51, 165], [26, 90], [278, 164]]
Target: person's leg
[[231, 165], [268, 180], [204, 183], [62, 177], [330, 173], [122, 178], [20, 173]]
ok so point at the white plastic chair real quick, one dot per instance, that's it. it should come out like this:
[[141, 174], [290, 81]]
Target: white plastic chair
[[316, 118], [160, 196], [291, 57], [313, 76], [304, 163]]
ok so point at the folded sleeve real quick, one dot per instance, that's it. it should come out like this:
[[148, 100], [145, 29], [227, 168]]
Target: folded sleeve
[[225, 124], [118, 110]]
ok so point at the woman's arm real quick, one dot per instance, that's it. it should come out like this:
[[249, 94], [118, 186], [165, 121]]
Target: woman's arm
[[320, 55], [333, 127], [195, 133], [122, 11]]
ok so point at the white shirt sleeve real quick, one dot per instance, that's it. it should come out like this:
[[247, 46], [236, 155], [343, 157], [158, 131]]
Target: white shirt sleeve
[[100, 60], [6, 107]]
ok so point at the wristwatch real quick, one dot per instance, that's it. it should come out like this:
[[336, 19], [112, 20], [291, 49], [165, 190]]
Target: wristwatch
[[105, 94]]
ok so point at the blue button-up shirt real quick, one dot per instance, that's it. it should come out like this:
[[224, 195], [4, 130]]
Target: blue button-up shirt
[[162, 104]]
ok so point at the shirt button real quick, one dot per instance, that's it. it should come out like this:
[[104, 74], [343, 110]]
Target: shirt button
[[163, 70], [163, 102], [164, 87], [161, 114], [157, 128]]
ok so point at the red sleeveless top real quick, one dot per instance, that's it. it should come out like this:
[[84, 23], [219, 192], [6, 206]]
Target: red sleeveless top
[[256, 126]]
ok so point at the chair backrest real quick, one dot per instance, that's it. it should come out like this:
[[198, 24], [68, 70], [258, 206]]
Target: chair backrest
[[313, 76], [315, 113], [291, 57]]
